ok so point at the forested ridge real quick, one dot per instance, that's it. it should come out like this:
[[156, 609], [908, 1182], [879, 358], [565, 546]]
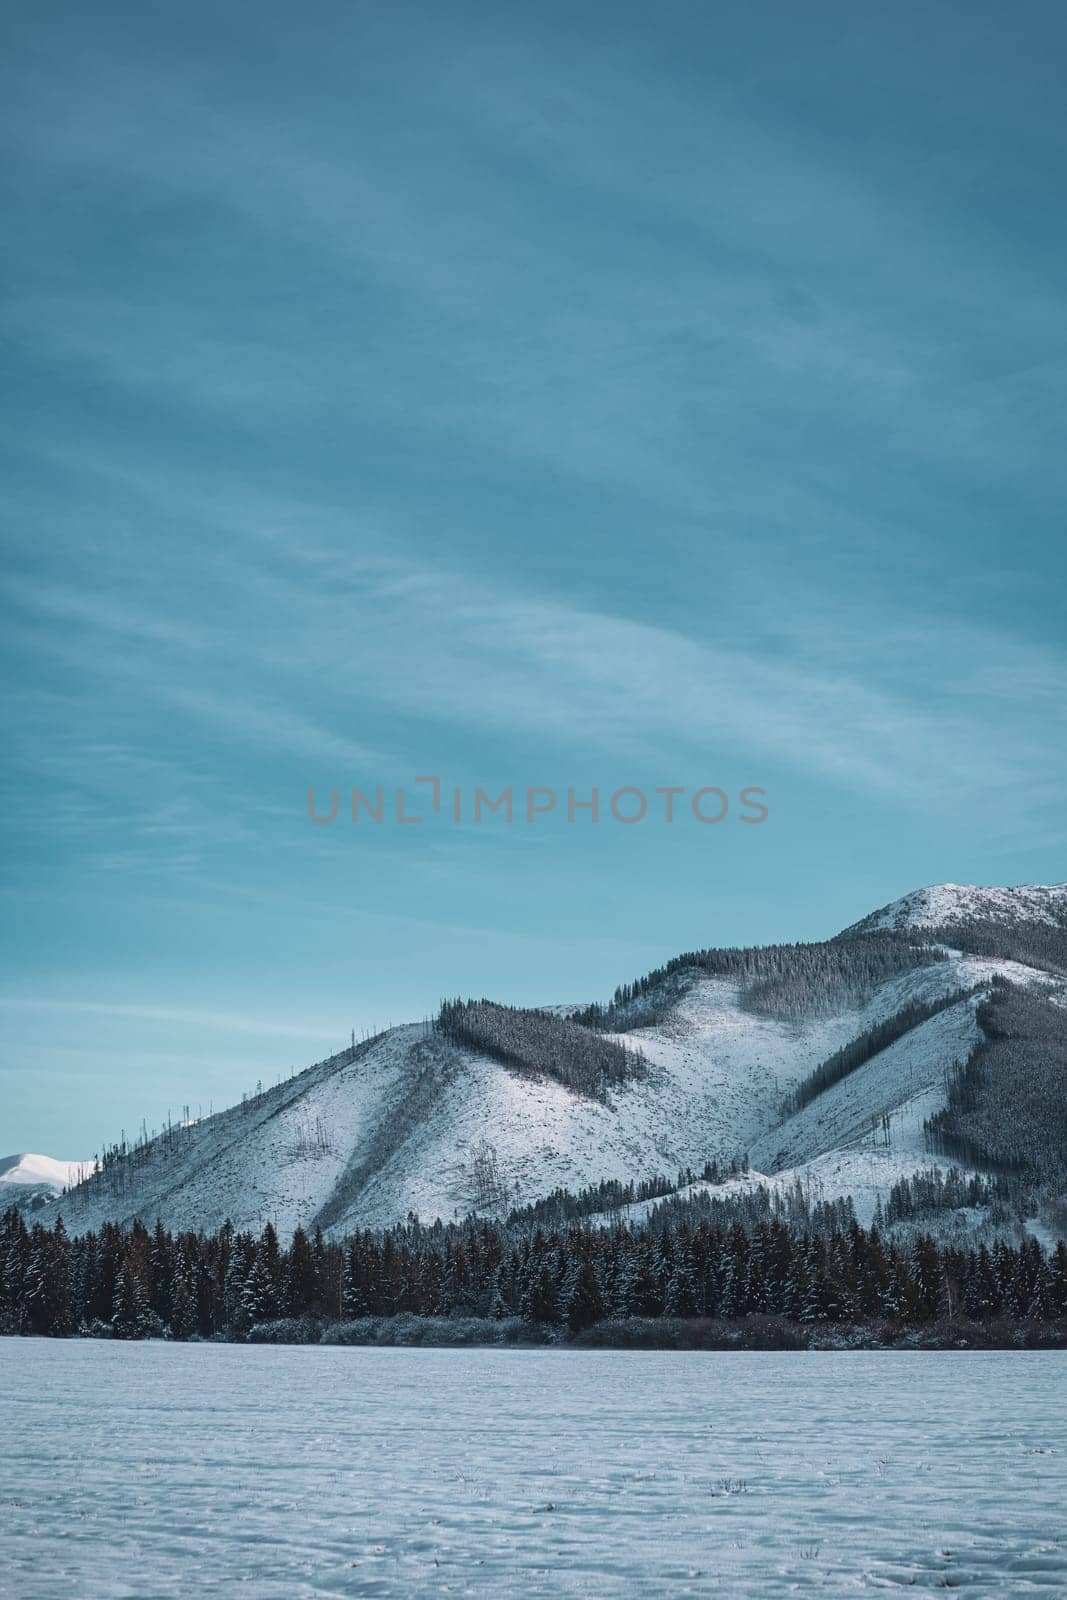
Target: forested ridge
[[1033, 944], [611, 1194], [1007, 1104], [791, 982], [865, 1046], [540, 1042]]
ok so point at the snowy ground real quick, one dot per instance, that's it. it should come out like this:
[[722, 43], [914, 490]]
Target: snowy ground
[[285, 1474]]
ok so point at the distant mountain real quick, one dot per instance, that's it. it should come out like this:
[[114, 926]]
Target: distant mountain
[[832, 1064], [33, 1180], [947, 905]]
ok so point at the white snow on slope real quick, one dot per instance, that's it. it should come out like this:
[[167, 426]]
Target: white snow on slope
[[945, 904], [904, 1085], [717, 1075], [839, 1145], [42, 1171], [275, 1159], [363, 1142]]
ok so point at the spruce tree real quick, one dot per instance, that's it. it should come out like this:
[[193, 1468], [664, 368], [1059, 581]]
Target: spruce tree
[[131, 1313], [540, 1300], [584, 1302], [300, 1276], [681, 1300]]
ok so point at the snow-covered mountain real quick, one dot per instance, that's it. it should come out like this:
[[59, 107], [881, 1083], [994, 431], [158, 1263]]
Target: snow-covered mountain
[[411, 1121], [34, 1180], [949, 905]]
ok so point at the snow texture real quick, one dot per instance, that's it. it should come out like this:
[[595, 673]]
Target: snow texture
[[154, 1470]]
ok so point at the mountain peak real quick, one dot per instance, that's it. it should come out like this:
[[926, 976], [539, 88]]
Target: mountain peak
[[941, 905], [42, 1172]]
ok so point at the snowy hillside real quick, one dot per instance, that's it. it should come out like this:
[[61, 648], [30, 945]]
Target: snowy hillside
[[42, 1171], [33, 1180], [945, 905], [411, 1121]]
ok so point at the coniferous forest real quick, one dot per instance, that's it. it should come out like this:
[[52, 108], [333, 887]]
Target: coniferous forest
[[540, 1042], [757, 1279], [865, 1046], [791, 982], [1006, 1110]]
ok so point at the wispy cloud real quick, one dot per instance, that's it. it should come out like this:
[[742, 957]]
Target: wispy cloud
[[876, 704], [226, 1022], [711, 298]]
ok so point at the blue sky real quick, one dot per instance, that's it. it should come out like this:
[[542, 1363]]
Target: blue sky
[[530, 395]]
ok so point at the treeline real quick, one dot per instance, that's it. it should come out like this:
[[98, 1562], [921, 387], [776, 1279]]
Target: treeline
[[540, 1042], [865, 1046], [1007, 1104], [791, 982], [611, 1194], [135, 1283], [798, 1207], [1032, 944], [938, 1189]]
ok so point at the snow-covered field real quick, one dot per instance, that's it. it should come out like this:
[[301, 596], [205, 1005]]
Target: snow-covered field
[[158, 1470]]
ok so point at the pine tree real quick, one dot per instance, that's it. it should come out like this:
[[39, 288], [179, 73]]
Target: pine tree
[[259, 1301], [14, 1262], [354, 1300], [497, 1307], [45, 1284], [1041, 1301], [584, 1302], [430, 1284], [625, 1299], [183, 1317], [162, 1272], [540, 1300], [926, 1276], [1057, 1276], [681, 1300], [814, 1307], [131, 1316], [238, 1270], [300, 1276], [269, 1253], [987, 1293], [756, 1299]]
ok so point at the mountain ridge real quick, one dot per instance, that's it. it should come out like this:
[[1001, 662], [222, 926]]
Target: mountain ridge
[[416, 1121], [943, 905]]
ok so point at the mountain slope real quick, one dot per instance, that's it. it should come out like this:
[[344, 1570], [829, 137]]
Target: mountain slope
[[32, 1181], [43, 1172], [413, 1121], [947, 905]]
